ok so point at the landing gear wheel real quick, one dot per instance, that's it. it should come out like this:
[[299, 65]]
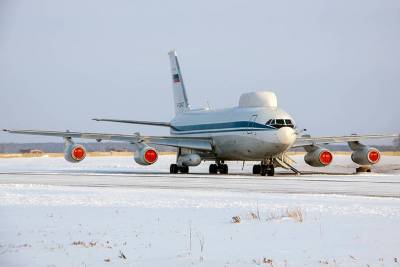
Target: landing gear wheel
[[257, 169], [173, 168], [218, 168], [213, 169], [184, 169], [263, 170], [267, 170], [271, 170], [223, 169]]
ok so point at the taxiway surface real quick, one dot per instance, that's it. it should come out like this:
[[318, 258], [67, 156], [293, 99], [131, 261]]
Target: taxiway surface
[[121, 172]]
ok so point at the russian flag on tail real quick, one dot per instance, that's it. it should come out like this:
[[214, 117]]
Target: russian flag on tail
[[176, 78]]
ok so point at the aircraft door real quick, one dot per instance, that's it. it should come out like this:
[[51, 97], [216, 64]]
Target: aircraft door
[[252, 122]]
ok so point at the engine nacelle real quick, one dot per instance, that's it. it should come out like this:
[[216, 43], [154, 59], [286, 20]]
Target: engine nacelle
[[74, 152], [366, 156], [145, 155], [320, 157], [189, 160]]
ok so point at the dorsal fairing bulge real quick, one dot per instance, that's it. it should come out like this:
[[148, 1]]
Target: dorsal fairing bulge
[[260, 99], [268, 102]]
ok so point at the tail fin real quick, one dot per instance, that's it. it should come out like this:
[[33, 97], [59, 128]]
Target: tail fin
[[180, 98]]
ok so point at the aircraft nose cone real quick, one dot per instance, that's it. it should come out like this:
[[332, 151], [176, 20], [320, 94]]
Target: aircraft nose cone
[[286, 135]]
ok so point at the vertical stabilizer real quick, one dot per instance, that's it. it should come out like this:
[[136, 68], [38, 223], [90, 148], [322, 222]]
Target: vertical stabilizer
[[180, 98]]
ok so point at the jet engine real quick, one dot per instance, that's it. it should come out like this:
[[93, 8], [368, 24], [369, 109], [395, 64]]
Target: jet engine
[[189, 160], [363, 154], [74, 152], [145, 155], [366, 156], [318, 157]]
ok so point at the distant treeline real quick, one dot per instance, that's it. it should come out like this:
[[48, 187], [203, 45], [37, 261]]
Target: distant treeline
[[59, 147]]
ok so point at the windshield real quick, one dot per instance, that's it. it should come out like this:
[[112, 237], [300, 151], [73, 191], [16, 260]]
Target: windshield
[[279, 123]]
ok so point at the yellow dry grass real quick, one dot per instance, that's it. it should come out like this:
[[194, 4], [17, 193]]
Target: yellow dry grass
[[295, 214]]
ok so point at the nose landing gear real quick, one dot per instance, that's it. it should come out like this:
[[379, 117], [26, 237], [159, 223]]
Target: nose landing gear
[[220, 167]]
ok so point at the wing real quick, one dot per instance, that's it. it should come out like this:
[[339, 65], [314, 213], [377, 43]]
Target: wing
[[308, 140], [198, 143]]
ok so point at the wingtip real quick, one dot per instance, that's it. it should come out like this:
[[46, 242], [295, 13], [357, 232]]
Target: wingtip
[[95, 119], [6, 130]]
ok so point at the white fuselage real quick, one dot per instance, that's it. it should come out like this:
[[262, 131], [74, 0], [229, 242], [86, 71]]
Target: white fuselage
[[238, 133]]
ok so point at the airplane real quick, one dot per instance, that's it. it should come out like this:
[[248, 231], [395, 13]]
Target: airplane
[[255, 130]]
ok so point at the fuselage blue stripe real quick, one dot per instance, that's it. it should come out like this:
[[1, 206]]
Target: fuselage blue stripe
[[223, 125], [220, 131]]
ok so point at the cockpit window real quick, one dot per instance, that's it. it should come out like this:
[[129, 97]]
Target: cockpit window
[[279, 123]]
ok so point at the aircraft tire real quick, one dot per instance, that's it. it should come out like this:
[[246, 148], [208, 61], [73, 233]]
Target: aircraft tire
[[224, 169], [173, 168], [257, 169], [270, 170], [267, 170], [213, 169], [184, 169], [263, 170]]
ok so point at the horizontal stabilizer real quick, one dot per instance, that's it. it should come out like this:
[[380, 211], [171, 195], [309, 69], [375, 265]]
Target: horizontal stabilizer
[[154, 123]]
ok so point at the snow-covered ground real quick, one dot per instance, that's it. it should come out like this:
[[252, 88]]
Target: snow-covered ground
[[86, 222], [340, 164]]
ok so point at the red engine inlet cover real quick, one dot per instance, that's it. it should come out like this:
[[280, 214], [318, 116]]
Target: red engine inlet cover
[[325, 157], [150, 156], [374, 156], [78, 153]]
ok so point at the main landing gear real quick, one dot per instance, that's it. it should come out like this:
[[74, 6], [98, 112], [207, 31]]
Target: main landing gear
[[174, 168], [219, 167], [264, 168]]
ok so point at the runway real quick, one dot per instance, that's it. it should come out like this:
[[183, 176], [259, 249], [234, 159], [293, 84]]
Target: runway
[[361, 185], [98, 173]]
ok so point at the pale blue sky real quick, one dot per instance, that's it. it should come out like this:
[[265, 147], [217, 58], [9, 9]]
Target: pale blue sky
[[334, 65]]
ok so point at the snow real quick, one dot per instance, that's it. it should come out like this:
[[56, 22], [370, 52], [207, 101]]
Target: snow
[[105, 213], [340, 164]]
